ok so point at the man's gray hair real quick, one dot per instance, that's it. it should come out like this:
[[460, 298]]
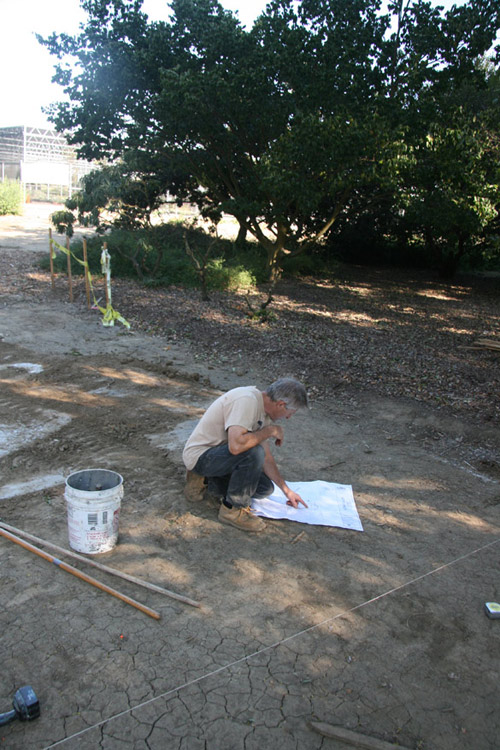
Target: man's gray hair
[[290, 391]]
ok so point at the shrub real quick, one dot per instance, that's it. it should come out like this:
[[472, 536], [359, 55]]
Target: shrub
[[228, 278], [10, 197], [157, 256]]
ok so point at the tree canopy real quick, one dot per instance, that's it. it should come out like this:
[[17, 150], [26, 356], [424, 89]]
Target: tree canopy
[[287, 124]]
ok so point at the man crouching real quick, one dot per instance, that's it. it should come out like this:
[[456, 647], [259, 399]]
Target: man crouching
[[228, 453]]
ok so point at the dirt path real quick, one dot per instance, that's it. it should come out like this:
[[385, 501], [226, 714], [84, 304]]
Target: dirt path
[[382, 631]]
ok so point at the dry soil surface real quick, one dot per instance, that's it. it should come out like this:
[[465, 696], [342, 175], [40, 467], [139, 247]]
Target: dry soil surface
[[382, 632]]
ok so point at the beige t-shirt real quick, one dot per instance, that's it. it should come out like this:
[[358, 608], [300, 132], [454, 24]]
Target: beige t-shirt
[[241, 406]]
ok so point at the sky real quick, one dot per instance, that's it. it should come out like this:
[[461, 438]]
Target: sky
[[27, 67]]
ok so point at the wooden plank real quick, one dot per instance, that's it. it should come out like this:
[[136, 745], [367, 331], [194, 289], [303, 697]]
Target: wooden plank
[[362, 741]]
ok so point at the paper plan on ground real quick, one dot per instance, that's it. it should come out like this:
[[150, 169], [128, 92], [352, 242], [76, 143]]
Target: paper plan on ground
[[329, 505]]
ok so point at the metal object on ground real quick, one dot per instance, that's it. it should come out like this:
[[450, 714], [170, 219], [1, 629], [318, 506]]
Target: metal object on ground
[[26, 706], [492, 609]]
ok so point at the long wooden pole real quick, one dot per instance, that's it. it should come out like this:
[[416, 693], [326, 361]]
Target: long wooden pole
[[79, 574], [86, 271], [51, 250], [70, 278], [95, 564]]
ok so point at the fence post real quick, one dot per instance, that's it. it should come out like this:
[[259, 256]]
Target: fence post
[[86, 270], [51, 251], [70, 278]]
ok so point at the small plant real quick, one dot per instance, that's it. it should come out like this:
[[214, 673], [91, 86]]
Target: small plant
[[199, 260], [261, 314], [229, 277]]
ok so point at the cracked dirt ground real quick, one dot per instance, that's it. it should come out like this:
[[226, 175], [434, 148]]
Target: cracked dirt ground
[[382, 632]]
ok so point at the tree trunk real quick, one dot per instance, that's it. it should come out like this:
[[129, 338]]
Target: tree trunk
[[242, 233], [274, 249], [451, 260], [274, 253]]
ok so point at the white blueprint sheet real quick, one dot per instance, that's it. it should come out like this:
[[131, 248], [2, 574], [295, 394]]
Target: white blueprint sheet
[[329, 504]]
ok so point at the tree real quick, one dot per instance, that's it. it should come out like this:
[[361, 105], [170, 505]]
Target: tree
[[451, 189], [443, 192], [225, 118], [279, 126], [448, 188]]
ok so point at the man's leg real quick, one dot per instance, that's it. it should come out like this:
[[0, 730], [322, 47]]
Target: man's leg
[[217, 487], [242, 473], [244, 477], [264, 488]]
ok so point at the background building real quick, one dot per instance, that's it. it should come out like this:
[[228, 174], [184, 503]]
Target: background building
[[42, 160]]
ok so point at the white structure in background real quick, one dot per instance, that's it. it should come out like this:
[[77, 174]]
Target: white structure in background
[[42, 160]]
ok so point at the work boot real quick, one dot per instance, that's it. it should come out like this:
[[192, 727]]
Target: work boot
[[194, 487], [241, 518]]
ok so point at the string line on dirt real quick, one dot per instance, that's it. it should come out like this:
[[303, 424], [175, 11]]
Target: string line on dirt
[[272, 646]]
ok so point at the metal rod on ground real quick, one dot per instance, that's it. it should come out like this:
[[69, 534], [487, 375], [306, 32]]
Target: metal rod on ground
[[51, 250], [70, 277], [86, 271], [79, 574], [104, 568]]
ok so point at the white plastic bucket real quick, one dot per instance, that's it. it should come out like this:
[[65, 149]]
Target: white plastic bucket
[[93, 498]]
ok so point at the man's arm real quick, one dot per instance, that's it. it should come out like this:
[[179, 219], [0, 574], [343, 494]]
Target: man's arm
[[274, 474], [240, 440]]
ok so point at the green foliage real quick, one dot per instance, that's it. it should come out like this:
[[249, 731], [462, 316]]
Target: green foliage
[[225, 277], [285, 126], [262, 315], [451, 193], [127, 199], [63, 222], [94, 249], [11, 198], [160, 255]]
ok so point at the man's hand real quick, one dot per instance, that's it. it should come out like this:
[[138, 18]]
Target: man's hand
[[240, 439], [294, 499], [278, 434]]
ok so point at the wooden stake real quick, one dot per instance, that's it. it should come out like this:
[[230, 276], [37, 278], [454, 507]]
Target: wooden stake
[[86, 267], [95, 564], [352, 738], [70, 278], [51, 250], [79, 574]]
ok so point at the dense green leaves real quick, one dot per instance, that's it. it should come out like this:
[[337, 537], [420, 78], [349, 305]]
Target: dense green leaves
[[286, 126]]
